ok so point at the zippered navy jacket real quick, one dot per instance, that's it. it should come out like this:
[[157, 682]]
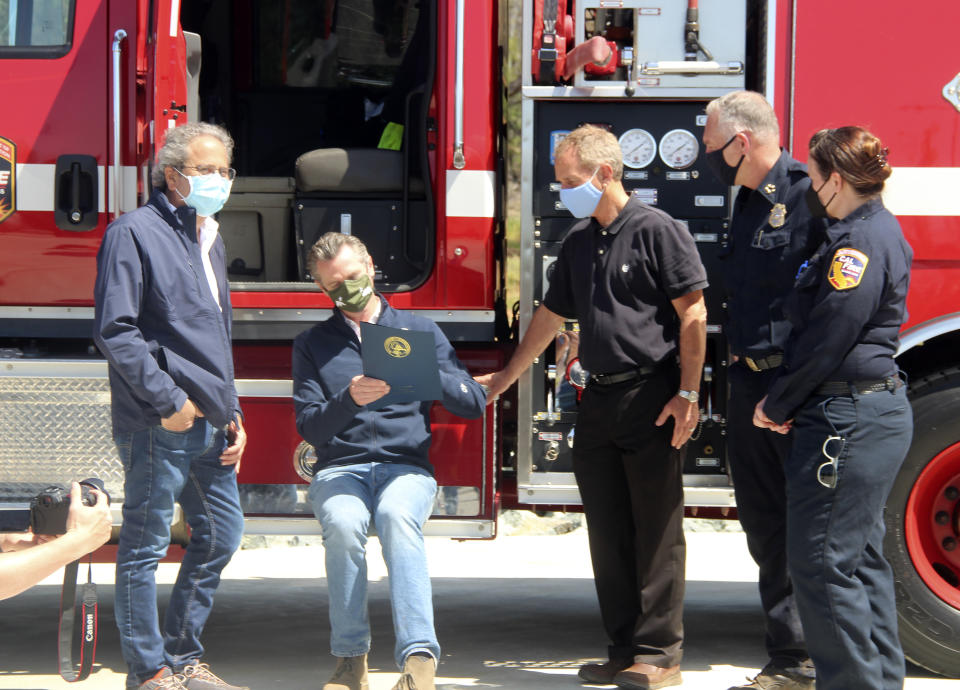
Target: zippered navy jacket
[[327, 357], [156, 321]]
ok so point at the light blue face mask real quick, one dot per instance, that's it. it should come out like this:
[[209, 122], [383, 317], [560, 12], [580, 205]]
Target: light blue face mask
[[208, 193], [582, 200]]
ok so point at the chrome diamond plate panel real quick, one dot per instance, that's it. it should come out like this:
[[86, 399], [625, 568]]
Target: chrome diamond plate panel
[[54, 430]]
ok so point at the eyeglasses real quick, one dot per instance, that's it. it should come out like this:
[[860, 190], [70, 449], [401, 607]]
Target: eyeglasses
[[228, 173], [827, 472]]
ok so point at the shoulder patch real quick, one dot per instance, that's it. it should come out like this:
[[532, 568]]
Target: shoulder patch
[[847, 268]]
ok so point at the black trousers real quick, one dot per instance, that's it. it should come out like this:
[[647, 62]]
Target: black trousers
[[631, 483], [757, 458]]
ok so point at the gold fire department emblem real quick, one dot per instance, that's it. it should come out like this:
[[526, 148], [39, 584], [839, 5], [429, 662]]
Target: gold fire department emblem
[[396, 347], [8, 178]]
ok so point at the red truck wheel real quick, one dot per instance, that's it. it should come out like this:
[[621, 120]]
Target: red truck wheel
[[923, 528]]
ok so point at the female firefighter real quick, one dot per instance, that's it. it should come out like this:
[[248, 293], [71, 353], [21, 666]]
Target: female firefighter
[[840, 392]]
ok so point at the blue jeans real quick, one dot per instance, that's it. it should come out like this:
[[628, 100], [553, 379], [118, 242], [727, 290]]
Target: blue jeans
[[162, 467], [843, 584], [400, 498]]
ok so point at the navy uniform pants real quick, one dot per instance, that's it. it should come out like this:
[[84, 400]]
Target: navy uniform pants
[[757, 458], [843, 584], [631, 483]]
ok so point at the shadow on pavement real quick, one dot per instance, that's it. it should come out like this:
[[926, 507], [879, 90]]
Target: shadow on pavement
[[496, 633]]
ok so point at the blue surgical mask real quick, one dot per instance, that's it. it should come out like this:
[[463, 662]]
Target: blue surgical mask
[[208, 193], [582, 200]]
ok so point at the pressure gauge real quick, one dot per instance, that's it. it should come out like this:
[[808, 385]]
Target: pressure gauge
[[639, 148], [679, 148]]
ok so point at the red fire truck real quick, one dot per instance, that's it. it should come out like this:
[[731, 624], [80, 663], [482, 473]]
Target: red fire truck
[[385, 119]]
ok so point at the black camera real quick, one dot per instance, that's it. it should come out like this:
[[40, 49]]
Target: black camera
[[49, 508]]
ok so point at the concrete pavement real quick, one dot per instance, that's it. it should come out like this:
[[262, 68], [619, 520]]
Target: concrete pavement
[[518, 612]]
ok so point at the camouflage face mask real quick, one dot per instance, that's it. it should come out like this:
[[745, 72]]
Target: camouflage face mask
[[352, 295]]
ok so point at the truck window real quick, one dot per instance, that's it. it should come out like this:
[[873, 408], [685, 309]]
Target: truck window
[[35, 28]]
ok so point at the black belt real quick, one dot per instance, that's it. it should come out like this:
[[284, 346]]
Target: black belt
[[891, 383], [763, 363], [620, 377]]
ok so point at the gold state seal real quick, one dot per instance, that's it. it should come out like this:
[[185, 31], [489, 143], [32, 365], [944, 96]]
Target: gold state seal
[[396, 346]]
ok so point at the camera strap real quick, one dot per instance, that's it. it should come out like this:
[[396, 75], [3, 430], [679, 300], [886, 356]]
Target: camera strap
[[88, 623]]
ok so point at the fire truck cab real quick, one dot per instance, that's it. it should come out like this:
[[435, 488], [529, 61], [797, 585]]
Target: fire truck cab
[[348, 116]]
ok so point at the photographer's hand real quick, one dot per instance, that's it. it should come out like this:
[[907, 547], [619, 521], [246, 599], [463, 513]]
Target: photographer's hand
[[182, 419], [238, 441], [88, 527], [90, 524]]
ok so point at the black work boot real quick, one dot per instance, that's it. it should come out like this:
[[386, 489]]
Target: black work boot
[[775, 677], [605, 672]]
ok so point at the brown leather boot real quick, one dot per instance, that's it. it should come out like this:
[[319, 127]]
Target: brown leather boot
[[418, 673], [350, 674], [603, 673], [643, 676]]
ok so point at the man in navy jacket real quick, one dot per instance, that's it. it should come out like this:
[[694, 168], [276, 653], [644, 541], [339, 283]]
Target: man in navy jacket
[[162, 320], [371, 463]]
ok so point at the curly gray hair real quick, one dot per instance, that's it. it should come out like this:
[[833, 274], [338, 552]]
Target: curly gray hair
[[173, 153]]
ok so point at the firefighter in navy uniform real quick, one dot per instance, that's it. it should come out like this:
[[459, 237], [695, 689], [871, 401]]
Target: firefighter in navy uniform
[[852, 424], [771, 235]]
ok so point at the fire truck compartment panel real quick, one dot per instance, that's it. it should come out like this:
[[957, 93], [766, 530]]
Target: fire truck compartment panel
[[257, 231], [657, 36], [692, 192], [397, 255]]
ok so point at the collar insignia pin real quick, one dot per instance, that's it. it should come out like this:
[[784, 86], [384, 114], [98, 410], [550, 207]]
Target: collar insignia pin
[[770, 188], [778, 216]]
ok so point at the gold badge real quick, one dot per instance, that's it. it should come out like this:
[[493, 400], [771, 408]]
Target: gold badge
[[847, 268], [778, 216], [770, 188], [396, 347]]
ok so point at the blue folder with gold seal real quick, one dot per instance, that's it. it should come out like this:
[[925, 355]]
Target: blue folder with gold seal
[[407, 360]]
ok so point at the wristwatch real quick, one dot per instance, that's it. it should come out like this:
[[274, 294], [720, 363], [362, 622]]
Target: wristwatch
[[689, 396]]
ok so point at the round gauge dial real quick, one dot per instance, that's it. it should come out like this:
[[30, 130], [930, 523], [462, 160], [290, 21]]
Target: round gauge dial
[[679, 148], [639, 148]]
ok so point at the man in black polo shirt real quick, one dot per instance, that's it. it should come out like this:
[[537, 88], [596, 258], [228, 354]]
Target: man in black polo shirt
[[631, 276], [771, 235]]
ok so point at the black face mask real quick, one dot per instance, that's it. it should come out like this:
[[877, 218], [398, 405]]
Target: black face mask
[[725, 172], [817, 208]]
